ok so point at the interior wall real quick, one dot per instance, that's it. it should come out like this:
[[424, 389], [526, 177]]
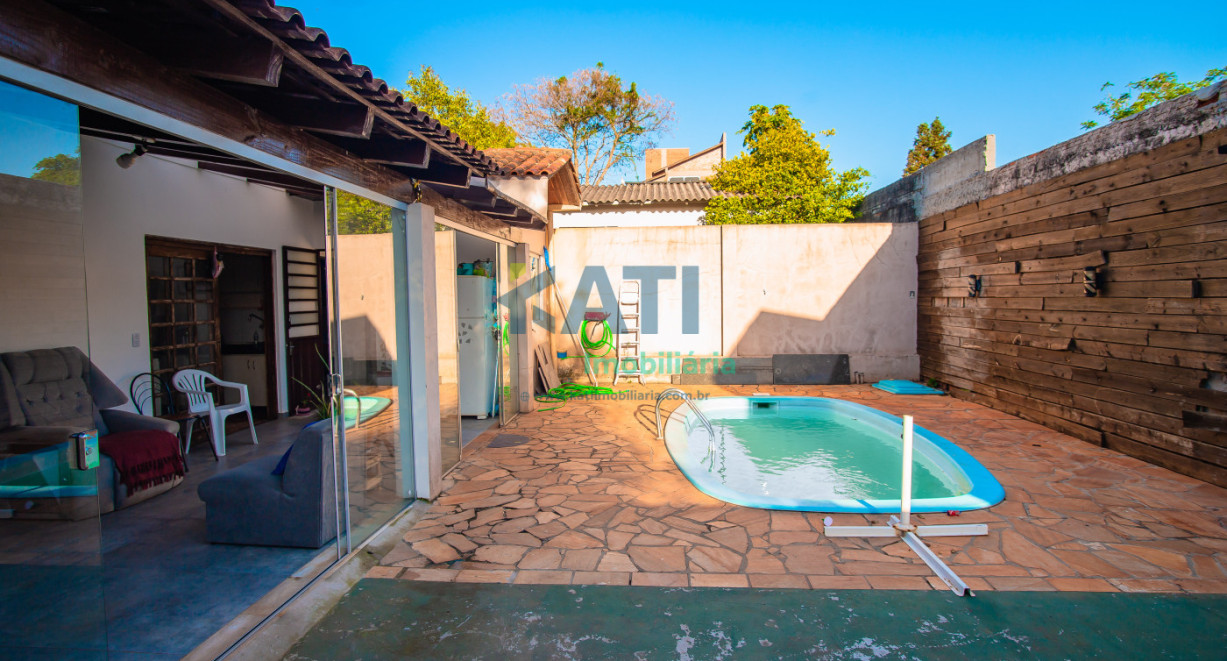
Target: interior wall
[[164, 197]]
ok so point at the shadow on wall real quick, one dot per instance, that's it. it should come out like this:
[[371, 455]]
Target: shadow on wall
[[367, 361], [847, 293]]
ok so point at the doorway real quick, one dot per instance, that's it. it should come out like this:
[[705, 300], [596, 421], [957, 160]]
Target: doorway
[[477, 327], [211, 309]]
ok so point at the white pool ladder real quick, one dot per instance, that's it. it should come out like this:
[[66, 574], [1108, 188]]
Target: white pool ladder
[[628, 341], [660, 430]]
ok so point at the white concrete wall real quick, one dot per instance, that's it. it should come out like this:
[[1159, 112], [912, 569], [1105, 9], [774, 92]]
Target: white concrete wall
[[42, 266], [168, 198], [615, 248], [767, 289], [630, 216], [825, 288]]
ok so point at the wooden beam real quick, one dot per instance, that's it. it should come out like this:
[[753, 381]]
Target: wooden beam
[[347, 120], [248, 60], [438, 172], [258, 174], [208, 156], [227, 9], [43, 37], [387, 150]]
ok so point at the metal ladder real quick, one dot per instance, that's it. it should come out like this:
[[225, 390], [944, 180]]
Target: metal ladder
[[660, 428], [628, 341]]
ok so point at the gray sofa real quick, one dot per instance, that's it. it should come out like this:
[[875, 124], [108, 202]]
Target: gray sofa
[[48, 394], [250, 505]]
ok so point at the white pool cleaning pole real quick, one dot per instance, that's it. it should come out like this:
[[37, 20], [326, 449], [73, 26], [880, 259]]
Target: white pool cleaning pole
[[905, 511], [911, 534]]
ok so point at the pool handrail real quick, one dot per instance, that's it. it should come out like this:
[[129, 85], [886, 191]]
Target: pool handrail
[[660, 430], [349, 394]]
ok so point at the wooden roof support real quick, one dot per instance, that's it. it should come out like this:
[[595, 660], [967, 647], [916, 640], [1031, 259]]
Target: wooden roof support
[[438, 171], [306, 64], [41, 36], [349, 120], [251, 61], [409, 153], [255, 173]]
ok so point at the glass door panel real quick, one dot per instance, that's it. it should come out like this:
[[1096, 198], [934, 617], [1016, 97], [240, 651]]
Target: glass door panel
[[449, 354], [509, 304], [51, 590], [370, 412]]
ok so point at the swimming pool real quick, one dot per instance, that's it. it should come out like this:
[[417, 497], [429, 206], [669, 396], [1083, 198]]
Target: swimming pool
[[820, 455]]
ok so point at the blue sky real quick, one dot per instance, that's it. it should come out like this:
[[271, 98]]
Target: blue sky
[[1027, 72]]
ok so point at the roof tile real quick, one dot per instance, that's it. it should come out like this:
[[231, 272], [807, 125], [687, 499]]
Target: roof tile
[[674, 192], [530, 161]]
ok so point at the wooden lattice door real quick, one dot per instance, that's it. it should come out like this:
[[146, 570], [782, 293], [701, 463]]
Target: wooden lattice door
[[183, 308]]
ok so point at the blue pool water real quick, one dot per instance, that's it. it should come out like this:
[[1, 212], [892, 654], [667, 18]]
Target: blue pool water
[[821, 455]]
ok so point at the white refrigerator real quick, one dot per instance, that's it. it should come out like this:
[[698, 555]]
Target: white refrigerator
[[476, 312]]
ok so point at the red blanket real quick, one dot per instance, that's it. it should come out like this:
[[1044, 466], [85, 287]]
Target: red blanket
[[144, 458]]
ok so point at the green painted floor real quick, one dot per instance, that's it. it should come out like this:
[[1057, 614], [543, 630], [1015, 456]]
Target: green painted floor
[[393, 619]]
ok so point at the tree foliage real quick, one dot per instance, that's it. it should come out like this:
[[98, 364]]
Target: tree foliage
[[932, 142], [480, 126], [358, 215], [1149, 91], [59, 169], [605, 125], [784, 176]]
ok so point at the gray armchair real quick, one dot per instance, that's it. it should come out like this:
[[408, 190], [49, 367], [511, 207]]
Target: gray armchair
[[250, 505], [47, 394]]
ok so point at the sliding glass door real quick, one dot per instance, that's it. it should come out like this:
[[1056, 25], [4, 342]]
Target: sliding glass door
[[51, 574], [510, 304], [369, 320], [449, 349]]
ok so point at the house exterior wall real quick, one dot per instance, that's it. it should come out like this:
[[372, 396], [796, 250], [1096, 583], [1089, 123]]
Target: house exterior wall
[[764, 290], [161, 197], [631, 216], [532, 192]]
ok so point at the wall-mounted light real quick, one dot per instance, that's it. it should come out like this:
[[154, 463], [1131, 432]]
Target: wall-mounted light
[[125, 160], [1090, 281], [973, 286]]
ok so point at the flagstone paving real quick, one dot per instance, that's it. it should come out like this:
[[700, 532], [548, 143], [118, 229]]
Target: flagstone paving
[[595, 499]]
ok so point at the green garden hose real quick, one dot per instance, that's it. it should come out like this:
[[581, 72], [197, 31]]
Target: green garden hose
[[604, 345], [559, 396]]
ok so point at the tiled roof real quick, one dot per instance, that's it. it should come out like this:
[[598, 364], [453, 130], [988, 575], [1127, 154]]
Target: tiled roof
[[530, 161], [673, 192], [287, 24]]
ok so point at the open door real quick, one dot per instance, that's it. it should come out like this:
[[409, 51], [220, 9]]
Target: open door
[[306, 337]]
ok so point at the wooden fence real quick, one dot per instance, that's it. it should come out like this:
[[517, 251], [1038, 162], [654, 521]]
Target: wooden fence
[[1142, 366]]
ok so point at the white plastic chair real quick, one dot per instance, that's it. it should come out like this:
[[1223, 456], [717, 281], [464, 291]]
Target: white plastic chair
[[199, 400]]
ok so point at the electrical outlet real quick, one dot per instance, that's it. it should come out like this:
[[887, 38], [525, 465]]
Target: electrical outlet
[[136, 340]]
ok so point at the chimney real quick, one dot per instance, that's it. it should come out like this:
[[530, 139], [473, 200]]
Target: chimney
[[653, 160]]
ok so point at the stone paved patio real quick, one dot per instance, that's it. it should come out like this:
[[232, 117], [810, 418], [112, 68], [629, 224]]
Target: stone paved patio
[[594, 498]]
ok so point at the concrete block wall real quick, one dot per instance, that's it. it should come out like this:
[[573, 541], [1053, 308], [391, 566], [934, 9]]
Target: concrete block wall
[[762, 290]]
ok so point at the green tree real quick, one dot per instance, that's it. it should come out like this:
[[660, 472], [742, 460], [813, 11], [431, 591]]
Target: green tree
[[784, 176], [59, 169], [604, 124], [1150, 91], [358, 215], [932, 142], [480, 126]]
